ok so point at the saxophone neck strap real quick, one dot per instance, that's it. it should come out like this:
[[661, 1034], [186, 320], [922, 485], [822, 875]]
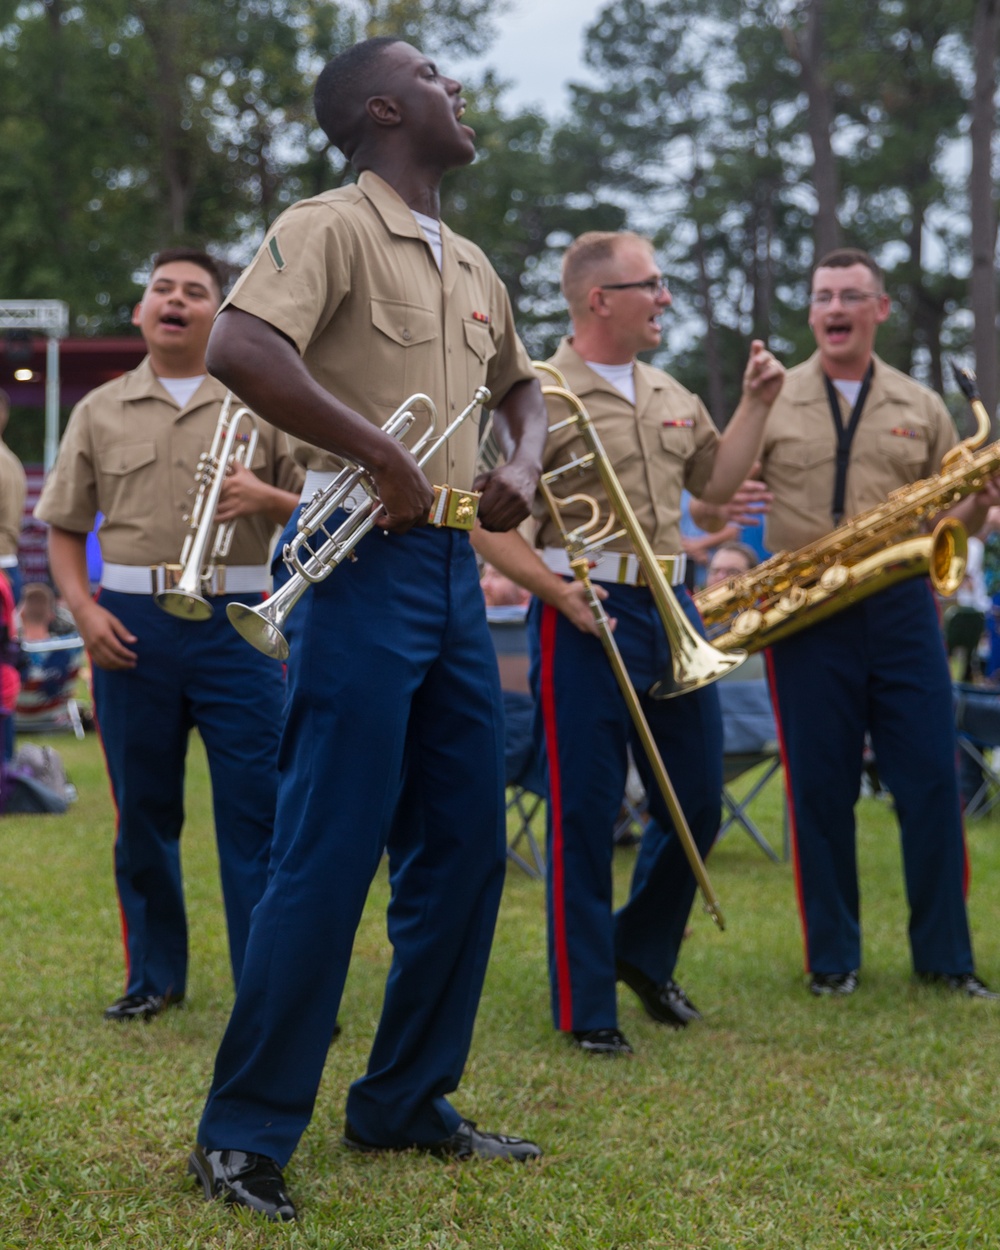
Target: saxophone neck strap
[[845, 436]]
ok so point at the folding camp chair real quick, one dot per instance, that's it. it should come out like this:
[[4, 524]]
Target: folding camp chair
[[977, 720], [47, 700], [524, 772], [750, 739]]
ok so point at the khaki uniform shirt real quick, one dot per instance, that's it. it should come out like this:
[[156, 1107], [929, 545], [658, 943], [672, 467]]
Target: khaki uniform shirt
[[903, 433], [13, 488], [659, 445], [349, 277], [131, 453]]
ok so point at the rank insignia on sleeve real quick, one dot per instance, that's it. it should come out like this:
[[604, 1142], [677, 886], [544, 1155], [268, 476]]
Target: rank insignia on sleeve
[[274, 251], [681, 423], [482, 318]]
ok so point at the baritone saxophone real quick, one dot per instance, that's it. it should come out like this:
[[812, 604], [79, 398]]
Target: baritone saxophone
[[878, 548]]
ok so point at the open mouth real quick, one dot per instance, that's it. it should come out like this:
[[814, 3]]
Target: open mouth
[[837, 331], [173, 319]]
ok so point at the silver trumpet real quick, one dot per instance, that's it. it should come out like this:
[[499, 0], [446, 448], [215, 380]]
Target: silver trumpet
[[231, 444], [261, 626]]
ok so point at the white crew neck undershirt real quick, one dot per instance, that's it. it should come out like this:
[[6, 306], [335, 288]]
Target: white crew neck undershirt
[[431, 227], [621, 377], [180, 390], [849, 390]]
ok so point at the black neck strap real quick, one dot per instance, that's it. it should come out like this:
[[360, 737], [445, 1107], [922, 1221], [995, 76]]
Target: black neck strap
[[845, 436]]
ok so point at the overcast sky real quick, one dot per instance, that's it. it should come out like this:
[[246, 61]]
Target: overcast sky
[[538, 50]]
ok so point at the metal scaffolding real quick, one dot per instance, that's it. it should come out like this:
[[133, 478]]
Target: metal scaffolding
[[51, 317]]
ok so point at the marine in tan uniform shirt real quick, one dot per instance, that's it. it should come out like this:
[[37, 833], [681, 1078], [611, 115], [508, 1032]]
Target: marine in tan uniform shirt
[[877, 666], [658, 443], [130, 452], [394, 726]]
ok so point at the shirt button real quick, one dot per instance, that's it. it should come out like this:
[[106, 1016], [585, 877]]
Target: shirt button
[[406, 336]]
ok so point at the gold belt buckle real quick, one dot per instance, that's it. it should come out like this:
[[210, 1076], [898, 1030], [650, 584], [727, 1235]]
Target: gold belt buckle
[[666, 566], [454, 509]]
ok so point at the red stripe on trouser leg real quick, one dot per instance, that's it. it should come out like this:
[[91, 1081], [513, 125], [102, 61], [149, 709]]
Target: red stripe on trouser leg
[[557, 853]]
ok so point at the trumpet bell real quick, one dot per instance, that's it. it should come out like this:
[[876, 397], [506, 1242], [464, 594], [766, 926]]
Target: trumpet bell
[[183, 604], [258, 630]]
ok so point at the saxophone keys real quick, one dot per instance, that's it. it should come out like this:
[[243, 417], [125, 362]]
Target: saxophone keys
[[748, 622], [835, 577]]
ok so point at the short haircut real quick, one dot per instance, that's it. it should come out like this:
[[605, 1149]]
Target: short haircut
[[193, 256], [739, 549], [585, 256], [344, 87], [845, 257], [38, 602]]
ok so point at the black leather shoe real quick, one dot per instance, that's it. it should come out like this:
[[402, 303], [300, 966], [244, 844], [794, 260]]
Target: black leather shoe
[[242, 1179], [139, 1006], [466, 1142], [666, 1003], [602, 1041], [961, 983], [826, 983]]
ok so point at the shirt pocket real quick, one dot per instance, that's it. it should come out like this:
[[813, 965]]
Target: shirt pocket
[[801, 454], [129, 474], [677, 441], [400, 357], [909, 452]]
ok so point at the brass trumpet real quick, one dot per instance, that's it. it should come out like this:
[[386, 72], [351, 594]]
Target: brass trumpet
[[261, 626], [231, 444], [694, 661]]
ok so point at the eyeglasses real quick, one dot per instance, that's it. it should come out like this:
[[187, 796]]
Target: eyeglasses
[[849, 299], [652, 285]]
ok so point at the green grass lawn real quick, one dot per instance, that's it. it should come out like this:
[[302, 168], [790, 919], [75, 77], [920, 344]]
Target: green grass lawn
[[781, 1120]]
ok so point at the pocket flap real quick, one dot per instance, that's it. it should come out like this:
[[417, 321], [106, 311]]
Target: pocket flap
[[405, 324], [127, 457]]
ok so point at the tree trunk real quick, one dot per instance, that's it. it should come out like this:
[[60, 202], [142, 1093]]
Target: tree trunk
[[808, 52], [982, 206]]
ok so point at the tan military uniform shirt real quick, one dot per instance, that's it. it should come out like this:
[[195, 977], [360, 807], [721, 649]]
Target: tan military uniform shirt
[[351, 280], [13, 488], [131, 453], [904, 432], [663, 443]]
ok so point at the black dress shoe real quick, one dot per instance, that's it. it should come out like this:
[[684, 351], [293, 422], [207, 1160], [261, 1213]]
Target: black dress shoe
[[602, 1041], [961, 983], [666, 1002], [139, 1006], [242, 1179], [824, 984], [466, 1142]]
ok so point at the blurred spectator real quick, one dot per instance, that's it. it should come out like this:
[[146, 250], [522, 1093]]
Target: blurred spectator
[[731, 559], [500, 591], [13, 488], [37, 611], [10, 681]]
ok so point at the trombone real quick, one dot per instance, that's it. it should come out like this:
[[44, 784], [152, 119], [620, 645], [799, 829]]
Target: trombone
[[231, 444], [262, 626], [695, 662]]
